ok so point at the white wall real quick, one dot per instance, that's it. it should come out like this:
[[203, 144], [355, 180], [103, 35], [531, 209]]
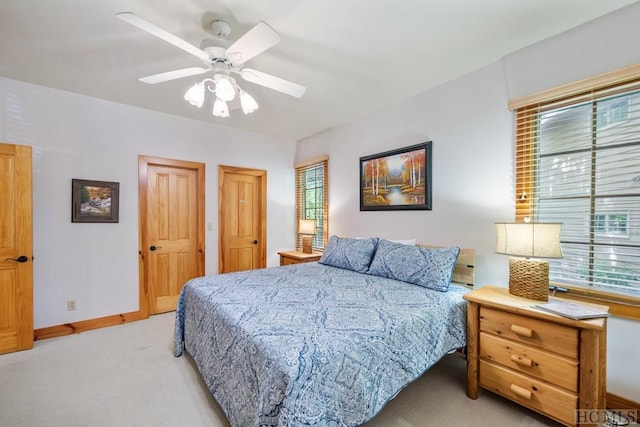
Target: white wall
[[472, 133], [75, 136], [472, 183]]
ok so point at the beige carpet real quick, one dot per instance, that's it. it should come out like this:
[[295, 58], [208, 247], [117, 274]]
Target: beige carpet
[[127, 376]]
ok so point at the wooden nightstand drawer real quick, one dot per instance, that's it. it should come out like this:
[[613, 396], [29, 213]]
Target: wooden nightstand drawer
[[546, 335], [297, 257], [550, 400], [288, 261], [546, 366]]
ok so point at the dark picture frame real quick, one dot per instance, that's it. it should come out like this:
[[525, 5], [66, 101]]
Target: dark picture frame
[[397, 179], [94, 201]]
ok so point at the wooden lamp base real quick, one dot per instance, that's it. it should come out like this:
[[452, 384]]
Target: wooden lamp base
[[306, 245]]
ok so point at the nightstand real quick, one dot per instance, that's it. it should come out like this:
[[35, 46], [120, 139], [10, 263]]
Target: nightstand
[[548, 363], [297, 257]]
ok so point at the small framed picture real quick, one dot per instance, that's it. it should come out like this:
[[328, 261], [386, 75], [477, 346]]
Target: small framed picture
[[397, 180], [94, 201]]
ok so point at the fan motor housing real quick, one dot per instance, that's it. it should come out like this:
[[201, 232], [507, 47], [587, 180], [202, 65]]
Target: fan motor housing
[[220, 28]]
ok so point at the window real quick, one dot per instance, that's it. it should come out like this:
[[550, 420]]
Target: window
[[312, 200], [578, 162], [610, 224]]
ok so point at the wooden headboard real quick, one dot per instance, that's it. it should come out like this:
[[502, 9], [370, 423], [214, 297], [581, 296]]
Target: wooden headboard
[[464, 272]]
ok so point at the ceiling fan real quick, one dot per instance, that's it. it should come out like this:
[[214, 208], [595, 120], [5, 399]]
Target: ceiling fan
[[222, 60]]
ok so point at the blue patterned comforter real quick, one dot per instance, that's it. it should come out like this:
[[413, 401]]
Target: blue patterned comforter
[[313, 345]]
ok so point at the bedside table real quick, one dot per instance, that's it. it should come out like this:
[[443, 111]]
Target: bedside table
[[297, 257], [548, 363]]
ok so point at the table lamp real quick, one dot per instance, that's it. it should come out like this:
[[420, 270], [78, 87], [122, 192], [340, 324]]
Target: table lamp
[[529, 278], [307, 227]]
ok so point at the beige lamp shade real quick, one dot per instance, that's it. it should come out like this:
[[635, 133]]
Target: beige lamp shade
[[531, 240], [307, 227], [529, 278]]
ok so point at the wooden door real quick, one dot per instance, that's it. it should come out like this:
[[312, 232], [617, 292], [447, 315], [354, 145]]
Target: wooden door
[[242, 218], [16, 248], [172, 230]]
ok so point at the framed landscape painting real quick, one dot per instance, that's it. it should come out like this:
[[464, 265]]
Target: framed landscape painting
[[397, 180], [94, 201]]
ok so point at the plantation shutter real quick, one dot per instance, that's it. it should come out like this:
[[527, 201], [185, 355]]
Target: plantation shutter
[[578, 162], [312, 199]]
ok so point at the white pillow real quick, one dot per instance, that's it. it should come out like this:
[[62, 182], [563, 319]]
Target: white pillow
[[411, 242]]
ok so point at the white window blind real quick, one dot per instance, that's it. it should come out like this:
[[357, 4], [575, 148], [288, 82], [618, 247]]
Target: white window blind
[[312, 199], [578, 162]]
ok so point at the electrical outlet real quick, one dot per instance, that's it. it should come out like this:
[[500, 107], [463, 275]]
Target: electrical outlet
[[71, 305]]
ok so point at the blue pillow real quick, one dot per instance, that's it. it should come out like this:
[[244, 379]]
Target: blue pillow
[[428, 267], [352, 254]]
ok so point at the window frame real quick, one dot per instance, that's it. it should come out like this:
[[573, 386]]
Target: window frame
[[322, 233], [526, 109]]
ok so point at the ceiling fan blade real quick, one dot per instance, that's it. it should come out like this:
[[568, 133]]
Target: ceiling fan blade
[[255, 41], [150, 28], [272, 82], [172, 75]]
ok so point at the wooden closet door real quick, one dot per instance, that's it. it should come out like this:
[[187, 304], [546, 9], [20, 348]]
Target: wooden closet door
[[242, 218], [16, 248], [172, 226]]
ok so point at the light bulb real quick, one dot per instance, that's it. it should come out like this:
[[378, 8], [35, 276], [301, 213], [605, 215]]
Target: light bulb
[[220, 108], [224, 89], [195, 95], [249, 105]]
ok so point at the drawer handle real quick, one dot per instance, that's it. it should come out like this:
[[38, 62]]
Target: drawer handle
[[522, 392], [521, 330], [522, 360]]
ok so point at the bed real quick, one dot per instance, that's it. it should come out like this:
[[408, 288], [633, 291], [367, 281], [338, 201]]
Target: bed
[[328, 342]]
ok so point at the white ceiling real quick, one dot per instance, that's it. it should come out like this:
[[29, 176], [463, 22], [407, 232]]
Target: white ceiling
[[354, 56]]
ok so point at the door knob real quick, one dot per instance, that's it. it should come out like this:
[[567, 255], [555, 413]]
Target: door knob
[[21, 258], [154, 247], [255, 242]]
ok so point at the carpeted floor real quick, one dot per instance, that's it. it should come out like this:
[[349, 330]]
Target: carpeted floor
[[127, 376]]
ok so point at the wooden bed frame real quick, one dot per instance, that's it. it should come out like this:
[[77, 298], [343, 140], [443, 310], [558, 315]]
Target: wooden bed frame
[[464, 272]]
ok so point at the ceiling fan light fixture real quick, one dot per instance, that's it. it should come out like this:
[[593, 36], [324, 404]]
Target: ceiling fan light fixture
[[247, 102], [225, 89], [220, 58], [195, 95], [220, 108]]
